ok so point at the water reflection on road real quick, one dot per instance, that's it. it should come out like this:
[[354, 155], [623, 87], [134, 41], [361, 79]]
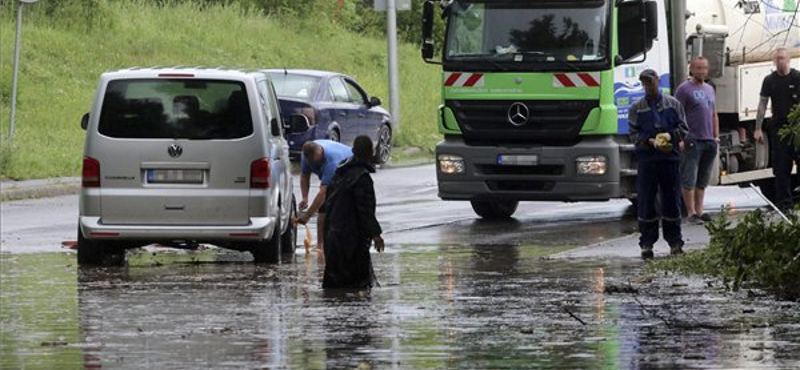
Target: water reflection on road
[[479, 307]]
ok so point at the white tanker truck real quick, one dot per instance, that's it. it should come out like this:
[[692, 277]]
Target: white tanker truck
[[739, 38]]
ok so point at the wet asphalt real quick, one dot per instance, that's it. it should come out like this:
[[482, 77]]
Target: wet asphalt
[[558, 287]]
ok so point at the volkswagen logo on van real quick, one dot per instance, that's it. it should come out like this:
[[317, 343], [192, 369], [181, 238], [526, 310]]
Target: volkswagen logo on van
[[518, 114], [175, 150]]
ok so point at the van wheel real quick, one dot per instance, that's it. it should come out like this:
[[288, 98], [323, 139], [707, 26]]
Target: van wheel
[[495, 209], [268, 251], [289, 237], [97, 253], [383, 149]]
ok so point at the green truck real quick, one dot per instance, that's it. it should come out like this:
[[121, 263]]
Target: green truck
[[536, 93]]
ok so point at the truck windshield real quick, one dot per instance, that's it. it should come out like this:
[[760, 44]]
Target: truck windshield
[[516, 32]]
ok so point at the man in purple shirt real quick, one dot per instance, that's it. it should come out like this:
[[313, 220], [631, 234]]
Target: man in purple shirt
[[700, 148]]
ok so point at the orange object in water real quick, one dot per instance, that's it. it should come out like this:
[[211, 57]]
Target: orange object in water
[[307, 241]]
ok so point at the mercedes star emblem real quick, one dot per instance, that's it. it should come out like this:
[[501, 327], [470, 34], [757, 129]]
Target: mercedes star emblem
[[175, 150], [518, 114]]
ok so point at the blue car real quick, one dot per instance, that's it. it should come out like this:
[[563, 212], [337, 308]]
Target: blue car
[[336, 107]]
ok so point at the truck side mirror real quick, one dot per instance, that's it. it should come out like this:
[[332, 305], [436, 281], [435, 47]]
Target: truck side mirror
[[636, 15], [651, 17], [85, 121], [298, 123], [427, 30]]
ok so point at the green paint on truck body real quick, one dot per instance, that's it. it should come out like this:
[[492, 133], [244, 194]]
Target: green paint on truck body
[[517, 86]]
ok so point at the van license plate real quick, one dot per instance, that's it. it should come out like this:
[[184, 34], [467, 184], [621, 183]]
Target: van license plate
[[518, 160], [175, 176]]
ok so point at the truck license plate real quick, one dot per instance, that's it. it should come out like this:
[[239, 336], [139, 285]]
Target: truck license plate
[[518, 160], [174, 176]]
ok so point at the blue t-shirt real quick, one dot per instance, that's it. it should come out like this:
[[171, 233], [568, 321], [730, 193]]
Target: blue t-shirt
[[334, 154]]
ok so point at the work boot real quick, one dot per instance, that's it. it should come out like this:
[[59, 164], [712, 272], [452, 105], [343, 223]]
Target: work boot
[[676, 249], [647, 252]]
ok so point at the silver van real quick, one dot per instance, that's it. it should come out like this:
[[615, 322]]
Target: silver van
[[186, 156]]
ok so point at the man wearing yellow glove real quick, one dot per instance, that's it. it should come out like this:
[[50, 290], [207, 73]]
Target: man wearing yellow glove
[[657, 126]]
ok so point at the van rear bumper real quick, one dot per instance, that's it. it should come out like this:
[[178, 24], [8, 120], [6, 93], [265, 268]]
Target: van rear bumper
[[259, 228]]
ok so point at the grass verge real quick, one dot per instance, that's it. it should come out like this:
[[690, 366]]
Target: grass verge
[[62, 59]]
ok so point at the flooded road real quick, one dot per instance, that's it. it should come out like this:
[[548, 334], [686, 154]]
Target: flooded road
[[481, 307], [558, 287]]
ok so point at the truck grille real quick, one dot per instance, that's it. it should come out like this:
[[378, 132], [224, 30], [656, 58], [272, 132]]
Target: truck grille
[[551, 122]]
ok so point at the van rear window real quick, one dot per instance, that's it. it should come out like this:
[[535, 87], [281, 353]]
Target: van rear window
[[175, 109]]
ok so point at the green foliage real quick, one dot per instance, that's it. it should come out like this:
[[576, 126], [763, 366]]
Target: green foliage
[[62, 60], [791, 132], [759, 251]]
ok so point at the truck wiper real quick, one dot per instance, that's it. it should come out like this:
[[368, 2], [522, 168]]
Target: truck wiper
[[490, 58], [570, 65]]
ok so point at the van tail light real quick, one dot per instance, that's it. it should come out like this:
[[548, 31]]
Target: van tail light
[[259, 174], [90, 177]]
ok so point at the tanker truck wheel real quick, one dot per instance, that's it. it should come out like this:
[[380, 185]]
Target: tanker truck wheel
[[494, 209]]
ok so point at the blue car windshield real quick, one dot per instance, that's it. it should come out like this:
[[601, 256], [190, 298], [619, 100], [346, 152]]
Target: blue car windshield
[[294, 86]]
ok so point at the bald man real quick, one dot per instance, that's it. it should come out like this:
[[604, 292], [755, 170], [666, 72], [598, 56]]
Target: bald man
[[782, 87]]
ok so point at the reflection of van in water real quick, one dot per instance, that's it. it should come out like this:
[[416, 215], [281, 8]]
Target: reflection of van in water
[[185, 156]]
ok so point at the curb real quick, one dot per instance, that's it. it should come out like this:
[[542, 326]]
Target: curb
[[46, 188], [407, 164]]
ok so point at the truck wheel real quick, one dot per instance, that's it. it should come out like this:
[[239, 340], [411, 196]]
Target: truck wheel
[[289, 237], [716, 169], [733, 164], [494, 209], [268, 251], [97, 253]]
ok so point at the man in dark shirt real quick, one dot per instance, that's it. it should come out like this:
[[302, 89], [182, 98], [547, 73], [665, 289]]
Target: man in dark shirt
[[782, 87]]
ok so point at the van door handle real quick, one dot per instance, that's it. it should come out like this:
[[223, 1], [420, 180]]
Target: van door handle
[[362, 115], [174, 207]]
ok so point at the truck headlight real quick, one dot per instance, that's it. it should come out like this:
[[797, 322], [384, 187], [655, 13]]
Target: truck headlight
[[592, 165], [451, 164]]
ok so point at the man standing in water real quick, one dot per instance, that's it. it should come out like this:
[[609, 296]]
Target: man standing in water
[[351, 226]]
